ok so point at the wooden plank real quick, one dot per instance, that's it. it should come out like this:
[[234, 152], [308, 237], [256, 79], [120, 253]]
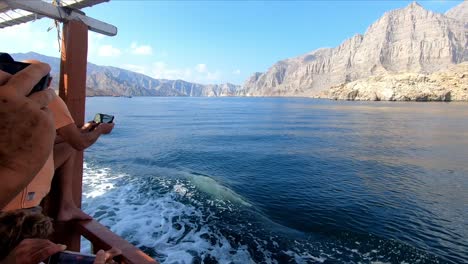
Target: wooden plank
[[65, 235], [102, 238], [74, 59], [63, 14], [72, 89]]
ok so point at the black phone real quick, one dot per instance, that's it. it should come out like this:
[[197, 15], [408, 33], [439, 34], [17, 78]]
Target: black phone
[[69, 257], [103, 118], [9, 65]]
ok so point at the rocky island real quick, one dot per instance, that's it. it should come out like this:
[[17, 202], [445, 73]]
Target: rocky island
[[447, 85]]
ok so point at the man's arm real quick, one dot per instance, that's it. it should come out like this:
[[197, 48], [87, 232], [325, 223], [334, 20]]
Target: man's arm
[[81, 139], [32, 251]]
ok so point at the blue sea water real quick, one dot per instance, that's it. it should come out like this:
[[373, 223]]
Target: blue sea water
[[282, 180]]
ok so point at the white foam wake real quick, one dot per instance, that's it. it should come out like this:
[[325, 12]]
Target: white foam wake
[[171, 231]]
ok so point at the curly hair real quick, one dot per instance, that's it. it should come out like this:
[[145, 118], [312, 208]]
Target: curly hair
[[21, 224]]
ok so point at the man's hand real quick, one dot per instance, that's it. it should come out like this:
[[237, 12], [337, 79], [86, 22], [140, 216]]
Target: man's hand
[[90, 126], [105, 128], [27, 129], [32, 251], [103, 257], [80, 139]]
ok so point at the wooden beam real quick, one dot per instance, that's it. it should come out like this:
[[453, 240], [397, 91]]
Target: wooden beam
[[72, 86], [72, 89], [74, 60], [102, 238], [63, 14]]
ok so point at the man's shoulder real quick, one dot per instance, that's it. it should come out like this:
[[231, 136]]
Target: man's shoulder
[[61, 113], [57, 104]]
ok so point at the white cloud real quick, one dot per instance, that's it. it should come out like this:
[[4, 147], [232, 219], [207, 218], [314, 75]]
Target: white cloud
[[39, 45], [97, 45], [108, 51], [29, 37], [236, 72], [96, 35], [141, 50], [201, 68], [94, 42], [198, 74], [160, 70]]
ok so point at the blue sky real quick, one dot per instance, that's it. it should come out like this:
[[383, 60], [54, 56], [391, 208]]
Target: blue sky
[[211, 41]]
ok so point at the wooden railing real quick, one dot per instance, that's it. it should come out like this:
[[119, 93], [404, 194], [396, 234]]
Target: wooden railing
[[101, 238]]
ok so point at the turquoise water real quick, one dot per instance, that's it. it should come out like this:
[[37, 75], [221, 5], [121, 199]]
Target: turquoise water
[[282, 180]]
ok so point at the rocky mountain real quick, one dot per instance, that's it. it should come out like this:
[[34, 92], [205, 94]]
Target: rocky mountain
[[459, 12], [446, 85], [112, 81], [407, 40]]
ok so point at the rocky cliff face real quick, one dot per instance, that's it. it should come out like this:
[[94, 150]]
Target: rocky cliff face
[[112, 81], [459, 12], [446, 85], [411, 39]]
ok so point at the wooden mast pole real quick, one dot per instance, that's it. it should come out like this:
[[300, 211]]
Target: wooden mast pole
[[72, 89]]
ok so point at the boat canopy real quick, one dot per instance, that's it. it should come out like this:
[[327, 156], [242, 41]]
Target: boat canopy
[[14, 12]]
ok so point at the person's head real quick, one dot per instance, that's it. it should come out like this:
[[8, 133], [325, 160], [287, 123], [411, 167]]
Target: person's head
[[18, 225]]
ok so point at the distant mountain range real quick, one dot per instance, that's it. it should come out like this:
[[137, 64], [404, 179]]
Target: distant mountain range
[[410, 40], [112, 81]]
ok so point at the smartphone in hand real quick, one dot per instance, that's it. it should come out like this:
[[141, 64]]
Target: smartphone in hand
[[69, 257], [103, 118]]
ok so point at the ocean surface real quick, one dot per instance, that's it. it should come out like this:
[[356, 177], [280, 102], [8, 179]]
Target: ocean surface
[[282, 180]]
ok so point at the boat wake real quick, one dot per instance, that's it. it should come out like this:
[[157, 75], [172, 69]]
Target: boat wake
[[151, 214], [184, 217]]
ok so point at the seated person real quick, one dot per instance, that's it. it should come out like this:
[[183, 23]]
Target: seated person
[[71, 138], [23, 239], [18, 225]]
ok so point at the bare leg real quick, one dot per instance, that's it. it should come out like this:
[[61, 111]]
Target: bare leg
[[64, 157]]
